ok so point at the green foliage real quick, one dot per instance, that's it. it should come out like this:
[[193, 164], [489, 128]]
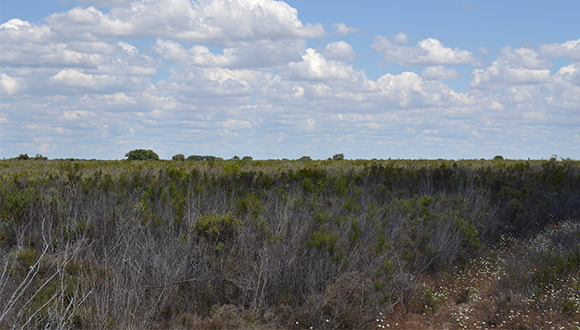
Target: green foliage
[[308, 186], [198, 158], [355, 231], [28, 256], [141, 154], [217, 228], [338, 157], [498, 157], [16, 202], [468, 232], [23, 157], [178, 157], [250, 205]]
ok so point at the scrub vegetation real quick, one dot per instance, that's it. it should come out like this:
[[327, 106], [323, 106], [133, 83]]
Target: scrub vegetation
[[294, 244]]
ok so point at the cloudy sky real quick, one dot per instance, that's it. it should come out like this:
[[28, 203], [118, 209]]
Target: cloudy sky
[[453, 79]]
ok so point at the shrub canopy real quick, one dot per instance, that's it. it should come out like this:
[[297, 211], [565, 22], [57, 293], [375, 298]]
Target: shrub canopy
[[141, 154]]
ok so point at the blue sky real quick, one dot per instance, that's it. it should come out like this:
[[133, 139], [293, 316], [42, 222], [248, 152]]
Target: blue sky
[[272, 79]]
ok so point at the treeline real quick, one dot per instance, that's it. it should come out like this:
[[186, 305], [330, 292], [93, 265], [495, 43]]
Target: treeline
[[243, 243]]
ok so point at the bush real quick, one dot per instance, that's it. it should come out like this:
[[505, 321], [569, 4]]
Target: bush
[[141, 154], [178, 157], [197, 158]]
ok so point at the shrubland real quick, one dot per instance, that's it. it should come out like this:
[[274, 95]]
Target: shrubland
[[245, 243]]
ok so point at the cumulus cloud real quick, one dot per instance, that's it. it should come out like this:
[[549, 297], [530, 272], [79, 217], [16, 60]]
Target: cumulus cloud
[[427, 52], [15, 24], [409, 89], [340, 51], [227, 86], [197, 55], [218, 22], [240, 71], [8, 84], [315, 67], [439, 72], [259, 55], [520, 66], [524, 58], [569, 49], [565, 89], [343, 30]]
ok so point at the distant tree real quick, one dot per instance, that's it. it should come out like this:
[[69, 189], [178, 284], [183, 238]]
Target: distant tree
[[195, 158], [141, 154], [198, 158], [498, 157], [236, 158], [23, 157], [178, 157], [305, 158], [40, 157], [247, 158], [338, 157]]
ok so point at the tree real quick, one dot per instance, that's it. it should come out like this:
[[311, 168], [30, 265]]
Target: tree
[[498, 157], [141, 154], [338, 157], [23, 157], [179, 157]]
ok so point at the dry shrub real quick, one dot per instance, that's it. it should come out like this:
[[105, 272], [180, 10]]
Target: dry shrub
[[347, 302]]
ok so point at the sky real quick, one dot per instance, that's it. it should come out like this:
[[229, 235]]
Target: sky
[[453, 79]]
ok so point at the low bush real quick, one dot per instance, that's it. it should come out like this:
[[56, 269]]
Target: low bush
[[270, 243]]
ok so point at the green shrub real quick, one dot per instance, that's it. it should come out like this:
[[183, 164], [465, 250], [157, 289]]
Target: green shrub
[[141, 154], [178, 157], [218, 228]]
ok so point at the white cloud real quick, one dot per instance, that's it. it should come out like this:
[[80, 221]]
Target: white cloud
[[259, 55], [340, 51], [118, 99], [214, 85], [523, 57], [343, 30], [77, 115], [427, 52], [15, 24], [439, 72], [239, 75], [236, 124], [569, 49], [75, 78], [8, 84], [16, 30], [314, 67], [218, 22], [520, 66], [408, 89], [565, 88], [197, 55]]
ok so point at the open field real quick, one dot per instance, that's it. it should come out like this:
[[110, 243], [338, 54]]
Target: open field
[[290, 244]]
